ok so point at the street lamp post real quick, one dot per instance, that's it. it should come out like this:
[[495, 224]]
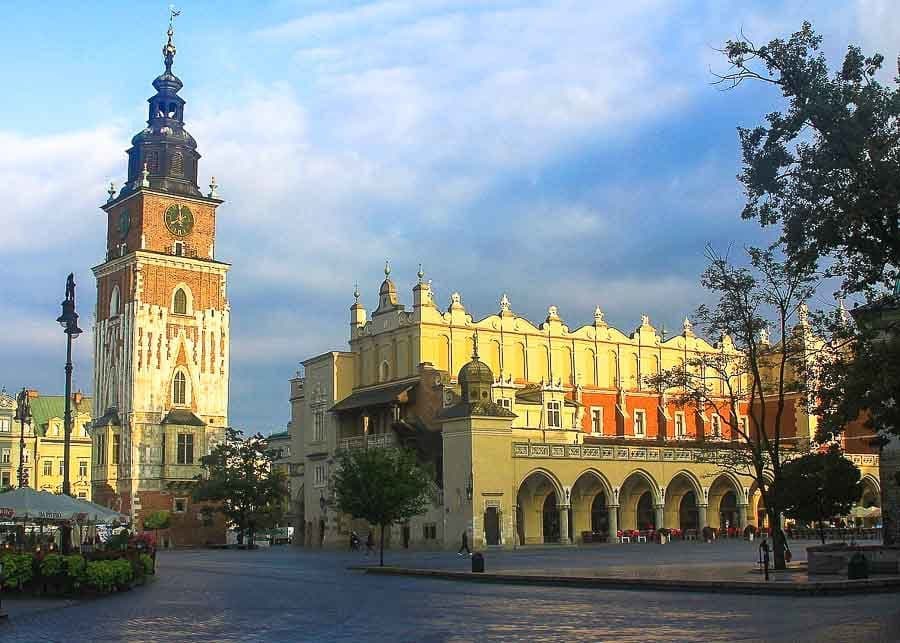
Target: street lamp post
[[23, 415], [69, 321]]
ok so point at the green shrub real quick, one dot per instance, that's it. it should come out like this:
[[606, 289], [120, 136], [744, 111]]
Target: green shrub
[[147, 562], [100, 576], [123, 573], [17, 569], [76, 569], [53, 565]]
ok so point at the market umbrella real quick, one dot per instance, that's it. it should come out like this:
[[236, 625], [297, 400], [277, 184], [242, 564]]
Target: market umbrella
[[99, 513], [25, 503]]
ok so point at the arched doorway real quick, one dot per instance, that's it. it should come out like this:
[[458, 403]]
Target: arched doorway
[[492, 525], [551, 519], [728, 516], [537, 517], [637, 497], [688, 514], [646, 517], [590, 517], [599, 515]]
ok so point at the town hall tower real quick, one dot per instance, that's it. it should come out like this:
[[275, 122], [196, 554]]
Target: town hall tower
[[161, 334]]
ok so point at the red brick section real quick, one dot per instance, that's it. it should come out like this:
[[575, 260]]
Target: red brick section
[[159, 284], [607, 400], [187, 528], [147, 213]]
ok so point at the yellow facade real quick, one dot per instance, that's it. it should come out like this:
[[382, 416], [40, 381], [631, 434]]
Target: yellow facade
[[589, 447], [44, 446]]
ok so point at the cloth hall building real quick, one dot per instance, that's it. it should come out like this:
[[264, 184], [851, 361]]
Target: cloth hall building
[[548, 434]]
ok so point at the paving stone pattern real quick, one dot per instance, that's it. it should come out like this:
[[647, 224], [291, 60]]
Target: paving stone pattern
[[286, 594]]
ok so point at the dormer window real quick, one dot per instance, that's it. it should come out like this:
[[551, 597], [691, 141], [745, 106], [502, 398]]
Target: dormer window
[[178, 249]]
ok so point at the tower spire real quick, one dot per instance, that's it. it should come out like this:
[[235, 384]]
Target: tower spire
[[169, 47]]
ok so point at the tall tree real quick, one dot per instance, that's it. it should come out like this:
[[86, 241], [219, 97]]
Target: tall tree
[[756, 375], [819, 486], [241, 482], [827, 168], [382, 486]]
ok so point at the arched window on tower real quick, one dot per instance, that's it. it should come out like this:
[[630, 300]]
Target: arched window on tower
[[114, 302], [179, 389], [179, 305]]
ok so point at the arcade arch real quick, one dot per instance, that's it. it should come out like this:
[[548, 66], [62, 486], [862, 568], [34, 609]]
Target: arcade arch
[[591, 497], [684, 506], [538, 500], [726, 503], [638, 501]]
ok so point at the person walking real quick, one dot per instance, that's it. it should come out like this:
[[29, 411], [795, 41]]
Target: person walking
[[370, 544], [465, 544]]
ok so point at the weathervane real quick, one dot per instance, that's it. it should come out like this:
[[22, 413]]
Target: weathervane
[[173, 13], [169, 47]]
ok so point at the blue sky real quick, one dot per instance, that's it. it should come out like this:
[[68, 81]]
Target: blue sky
[[566, 153]]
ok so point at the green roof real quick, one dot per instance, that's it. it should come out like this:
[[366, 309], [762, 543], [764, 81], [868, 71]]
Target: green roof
[[46, 407], [279, 435]]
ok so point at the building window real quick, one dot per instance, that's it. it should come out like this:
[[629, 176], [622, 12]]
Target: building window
[[179, 389], [185, 448], [82, 494], [4, 425], [101, 448], [117, 445], [506, 403], [180, 505], [429, 531], [48, 467], [319, 475], [553, 415], [62, 467], [744, 424], [4, 479], [597, 420], [179, 302], [319, 426], [716, 427], [4, 456], [640, 426], [178, 251], [82, 468], [177, 163], [25, 456], [679, 426]]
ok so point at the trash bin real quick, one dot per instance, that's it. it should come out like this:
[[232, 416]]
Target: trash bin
[[857, 567], [478, 562]]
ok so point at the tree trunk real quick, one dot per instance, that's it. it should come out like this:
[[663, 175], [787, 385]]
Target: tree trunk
[[381, 548], [252, 531], [778, 541]]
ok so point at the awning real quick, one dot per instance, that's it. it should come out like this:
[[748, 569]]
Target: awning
[[393, 394]]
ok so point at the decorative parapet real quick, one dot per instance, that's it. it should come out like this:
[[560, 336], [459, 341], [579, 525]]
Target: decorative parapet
[[645, 454], [863, 459], [375, 442]]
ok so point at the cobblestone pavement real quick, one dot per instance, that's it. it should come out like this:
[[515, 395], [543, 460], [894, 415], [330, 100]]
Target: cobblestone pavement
[[285, 594]]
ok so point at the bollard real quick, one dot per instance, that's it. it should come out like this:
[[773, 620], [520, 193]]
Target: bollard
[[478, 562]]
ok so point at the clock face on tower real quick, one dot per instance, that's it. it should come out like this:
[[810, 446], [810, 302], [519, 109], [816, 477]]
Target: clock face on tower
[[179, 220], [124, 223]]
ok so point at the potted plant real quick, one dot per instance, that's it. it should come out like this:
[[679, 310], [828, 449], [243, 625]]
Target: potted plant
[[663, 534]]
